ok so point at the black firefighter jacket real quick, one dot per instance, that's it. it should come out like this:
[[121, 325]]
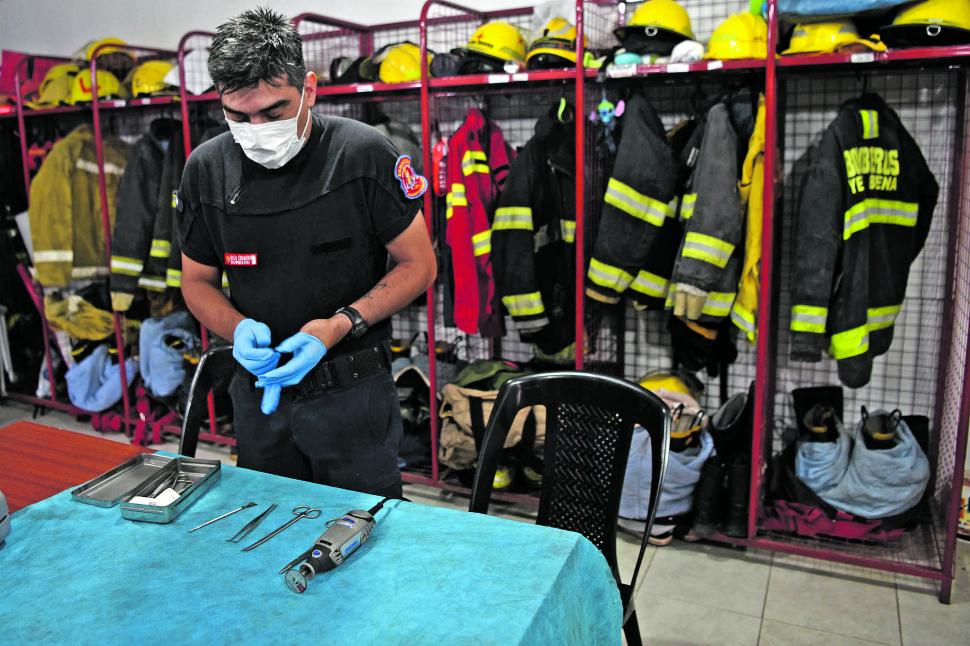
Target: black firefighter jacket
[[144, 249], [533, 257], [865, 211], [638, 234]]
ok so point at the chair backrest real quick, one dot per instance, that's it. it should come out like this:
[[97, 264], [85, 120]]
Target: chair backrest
[[215, 362], [589, 426]]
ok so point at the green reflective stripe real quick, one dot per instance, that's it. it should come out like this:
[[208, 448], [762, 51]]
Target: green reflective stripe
[[850, 343], [152, 283], [513, 217], [650, 284], [470, 163], [808, 318], [687, 206], [173, 278], [707, 248], [455, 197], [126, 266], [880, 318], [636, 204], [482, 243], [161, 249], [175, 199], [744, 319], [718, 303], [225, 280], [875, 211], [568, 230], [870, 124], [53, 255], [524, 304], [609, 276]]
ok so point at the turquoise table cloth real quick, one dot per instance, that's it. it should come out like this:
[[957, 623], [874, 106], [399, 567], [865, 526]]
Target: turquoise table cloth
[[73, 573]]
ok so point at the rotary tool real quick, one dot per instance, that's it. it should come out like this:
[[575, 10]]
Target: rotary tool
[[343, 536]]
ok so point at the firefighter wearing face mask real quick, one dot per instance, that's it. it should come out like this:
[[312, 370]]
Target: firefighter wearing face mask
[[302, 213]]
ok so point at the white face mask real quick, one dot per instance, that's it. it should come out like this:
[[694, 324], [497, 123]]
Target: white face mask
[[273, 143]]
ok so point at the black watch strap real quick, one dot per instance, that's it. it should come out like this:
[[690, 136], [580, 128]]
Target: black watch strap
[[357, 323]]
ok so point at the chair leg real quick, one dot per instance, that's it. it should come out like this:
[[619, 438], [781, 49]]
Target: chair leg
[[631, 630]]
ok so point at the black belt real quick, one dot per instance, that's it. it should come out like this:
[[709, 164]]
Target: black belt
[[342, 371]]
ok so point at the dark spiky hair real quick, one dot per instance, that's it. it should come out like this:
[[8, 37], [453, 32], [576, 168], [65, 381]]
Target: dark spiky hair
[[257, 45]]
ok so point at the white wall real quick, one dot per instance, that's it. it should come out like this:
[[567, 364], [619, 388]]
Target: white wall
[[60, 27]]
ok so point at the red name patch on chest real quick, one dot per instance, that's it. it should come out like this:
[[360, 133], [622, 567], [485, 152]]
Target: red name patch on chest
[[241, 259]]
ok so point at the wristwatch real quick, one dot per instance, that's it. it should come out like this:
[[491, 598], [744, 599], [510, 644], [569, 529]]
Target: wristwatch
[[357, 323]]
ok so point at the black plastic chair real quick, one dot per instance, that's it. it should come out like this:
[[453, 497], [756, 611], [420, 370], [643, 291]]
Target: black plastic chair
[[589, 426], [215, 365]]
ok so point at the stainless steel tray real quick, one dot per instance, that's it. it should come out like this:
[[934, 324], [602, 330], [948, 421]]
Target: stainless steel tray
[[110, 488], [202, 473]]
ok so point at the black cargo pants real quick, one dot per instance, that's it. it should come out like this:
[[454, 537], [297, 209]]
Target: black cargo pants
[[346, 437]]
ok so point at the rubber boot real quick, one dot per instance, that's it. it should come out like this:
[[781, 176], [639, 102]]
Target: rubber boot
[[805, 399], [708, 496], [879, 431], [730, 427], [738, 478], [819, 425]]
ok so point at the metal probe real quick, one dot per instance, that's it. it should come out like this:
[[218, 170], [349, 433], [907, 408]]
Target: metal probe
[[226, 515]]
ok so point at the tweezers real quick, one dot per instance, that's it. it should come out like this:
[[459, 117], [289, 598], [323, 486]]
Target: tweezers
[[251, 525]]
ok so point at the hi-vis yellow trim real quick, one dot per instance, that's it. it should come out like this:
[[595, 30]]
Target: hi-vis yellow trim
[[471, 162], [524, 304], [126, 266], [152, 283], [744, 319], [173, 278], [175, 199], [225, 280], [161, 249], [880, 318], [609, 276], [513, 217], [707, 248], [718, 304], [870, 124], [808, 318], [650, 284], [875, 211], [455, 197], [636, 204], [850, 343], [482, 243], [687, 206], [568, 230]]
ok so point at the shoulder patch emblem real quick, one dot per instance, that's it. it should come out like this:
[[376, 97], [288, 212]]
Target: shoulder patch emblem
[[412, 184]]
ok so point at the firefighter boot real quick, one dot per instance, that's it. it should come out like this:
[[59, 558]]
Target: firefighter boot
[[730, 427], [736, 520], [708, 496], [820, 424], [805, 399], [879, 430]]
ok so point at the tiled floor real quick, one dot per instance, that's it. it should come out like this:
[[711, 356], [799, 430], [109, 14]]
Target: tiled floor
[[704, 594]]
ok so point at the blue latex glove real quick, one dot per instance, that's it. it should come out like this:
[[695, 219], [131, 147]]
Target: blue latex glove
[[307, 351], [250, 347]]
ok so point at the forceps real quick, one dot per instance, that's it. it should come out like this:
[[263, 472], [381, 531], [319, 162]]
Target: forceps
[[300, 511], [251, 525]]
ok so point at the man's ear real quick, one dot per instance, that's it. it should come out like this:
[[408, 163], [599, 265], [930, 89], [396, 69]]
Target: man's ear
[[310, 88]]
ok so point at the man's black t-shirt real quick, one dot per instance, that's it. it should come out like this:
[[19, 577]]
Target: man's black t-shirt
[[301, 241]]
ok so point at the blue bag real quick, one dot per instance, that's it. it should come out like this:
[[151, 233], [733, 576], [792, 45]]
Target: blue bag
[[162, 366], [94, 384], [816, 10], [683, 472]]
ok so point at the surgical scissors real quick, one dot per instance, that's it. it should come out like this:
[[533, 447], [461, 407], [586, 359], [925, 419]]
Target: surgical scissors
[[300, 511]]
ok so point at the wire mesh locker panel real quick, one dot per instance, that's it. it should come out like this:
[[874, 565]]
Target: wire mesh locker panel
[[448, 27], [950, 444], [646, 342], [906, 376], [516, 112], [325, 39]]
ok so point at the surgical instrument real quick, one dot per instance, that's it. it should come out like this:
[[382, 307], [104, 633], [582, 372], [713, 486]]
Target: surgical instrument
[[225, 515], [251, 525], [301, 511]]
